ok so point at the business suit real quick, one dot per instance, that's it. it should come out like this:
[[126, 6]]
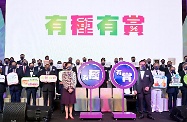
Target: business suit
[[2, 90], [172, 92], [48, 88], [31, 90], [75, 69], [183, 88], [15, 90], [144, 81], [107, 69], [180, 68], [149, 66], [163, 67]]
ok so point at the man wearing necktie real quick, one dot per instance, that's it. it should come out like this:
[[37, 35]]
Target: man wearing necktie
[[142, 89], [184, 87], [172, 91], [149, 65], [48, 87], [2, 90]]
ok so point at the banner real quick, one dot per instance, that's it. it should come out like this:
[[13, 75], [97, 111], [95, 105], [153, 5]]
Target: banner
[[2, 36], [2, 78], [176, 81], [30, 82], [160, 81], [12, 79], [48, 78]]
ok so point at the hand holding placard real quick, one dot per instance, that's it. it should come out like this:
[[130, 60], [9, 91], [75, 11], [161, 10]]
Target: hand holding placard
[[48, 78], [12, 79]]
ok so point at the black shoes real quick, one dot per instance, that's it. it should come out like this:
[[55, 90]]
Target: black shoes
[[148, 116], [141, 116]]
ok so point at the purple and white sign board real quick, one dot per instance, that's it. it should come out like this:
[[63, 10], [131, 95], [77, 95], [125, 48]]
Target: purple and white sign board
[[123, 75], [91, 75]]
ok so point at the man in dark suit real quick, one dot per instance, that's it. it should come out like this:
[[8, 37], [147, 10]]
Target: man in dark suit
[[149, 65], [167, 69], [48, 87], [15, 90], [172, 91], [142, 89], [163, 66], [184, 87], [39, 67], [5, 66], [22, 57], [107, 69], [52, 67], [30, 72], [180, 68], [2, 90], [75, 69]]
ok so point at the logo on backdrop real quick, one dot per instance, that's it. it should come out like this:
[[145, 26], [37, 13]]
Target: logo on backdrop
[[83, 24], [91, 75], [123, 75]]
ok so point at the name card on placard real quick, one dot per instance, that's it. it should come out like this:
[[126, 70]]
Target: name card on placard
[[160, 81], [2, 78], [59, 66], [176, 81], [30, 82], [48, 78], [12, 79]]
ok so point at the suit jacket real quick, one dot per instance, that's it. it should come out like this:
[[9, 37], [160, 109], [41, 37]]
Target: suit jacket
[[75, 70], [4, 69], [24, 72], [182, 74], [180, 67], [149, 67], [163, 67], [54, 69], [19, 72], [171, 89], [47, 86], [38, 69], [2, 87], [147, 81]]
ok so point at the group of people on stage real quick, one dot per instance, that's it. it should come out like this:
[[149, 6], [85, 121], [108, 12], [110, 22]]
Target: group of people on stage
[[146, 94]]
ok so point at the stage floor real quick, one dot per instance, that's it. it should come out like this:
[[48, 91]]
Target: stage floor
[[107, 117]]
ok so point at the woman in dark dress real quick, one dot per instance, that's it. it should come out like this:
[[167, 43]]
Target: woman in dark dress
[[68, 92]]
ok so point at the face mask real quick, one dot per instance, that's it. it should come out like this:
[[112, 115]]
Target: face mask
[[33, 62], [39, 64], [163, 62], [31, 67], [103, 64], [13, 66], [1, 64], [185, 60], [77, 63], [133, 60], [70, 61], [69, 68], [84, 60], [149, 62], [169, 65], [156, 67], [24, 64], [172, 71], [185, 68], [51, 63], [22, 58], [116, 62], [6, 62], [143, 67], [64, 67]]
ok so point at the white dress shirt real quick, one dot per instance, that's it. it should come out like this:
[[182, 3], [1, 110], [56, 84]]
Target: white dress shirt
[[142, 74]]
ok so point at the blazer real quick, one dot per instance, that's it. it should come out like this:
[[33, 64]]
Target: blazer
[[147, 81]]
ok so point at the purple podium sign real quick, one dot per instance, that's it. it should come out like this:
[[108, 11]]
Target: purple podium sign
[[123, 75], [91, 75]]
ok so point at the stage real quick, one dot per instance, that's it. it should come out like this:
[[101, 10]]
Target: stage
[[107, 117]]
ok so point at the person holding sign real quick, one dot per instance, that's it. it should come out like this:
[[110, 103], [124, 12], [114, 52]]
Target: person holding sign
[[156, 92], [2, 89], [30, 72], [183, 75], [172, 91], [142, 89], [47, 86], [14, 82], [68, 93]]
